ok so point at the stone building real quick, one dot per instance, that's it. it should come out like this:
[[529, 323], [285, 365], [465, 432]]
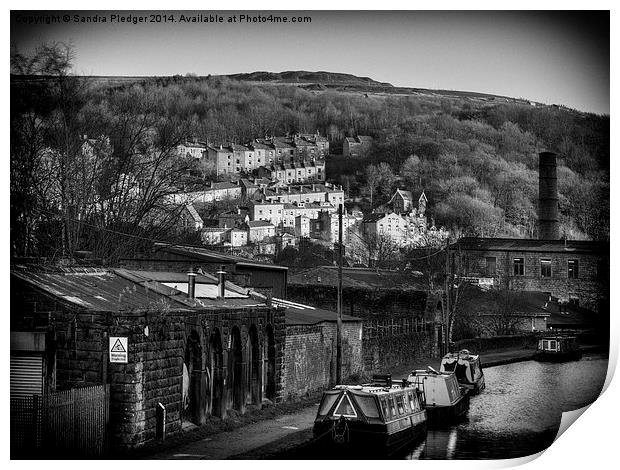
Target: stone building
[[576, 271], [357, 146], [400, 318], [216, 191], [197, 352], [268, 279], [192, 148]]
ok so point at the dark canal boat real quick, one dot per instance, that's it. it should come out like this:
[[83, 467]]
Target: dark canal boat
[[376, 419], [444, 400], [558, 349], [467, 368]]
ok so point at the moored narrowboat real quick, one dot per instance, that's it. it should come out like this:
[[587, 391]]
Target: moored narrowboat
[[558, 349], [375, 418], [467, 368], [443, 399]]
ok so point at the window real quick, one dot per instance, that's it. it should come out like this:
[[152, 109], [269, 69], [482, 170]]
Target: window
[[573, 269], [399, 404], [545, 267], [519, 266], [491, 265], [392, 407]]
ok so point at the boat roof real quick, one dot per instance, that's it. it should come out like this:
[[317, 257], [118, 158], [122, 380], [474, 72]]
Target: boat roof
[[375, 389], [462, 355], [428, 373], [558, 337]]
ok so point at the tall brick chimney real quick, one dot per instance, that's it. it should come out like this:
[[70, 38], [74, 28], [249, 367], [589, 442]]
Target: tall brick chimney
[[548, 220]]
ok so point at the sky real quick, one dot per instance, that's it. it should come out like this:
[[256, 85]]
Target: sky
[[550, 57]]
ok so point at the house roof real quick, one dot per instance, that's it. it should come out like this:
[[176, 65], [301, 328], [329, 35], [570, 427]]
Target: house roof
[[529, 304], [239, 148], [260, 145], [359, 278], [222, 185], [406, 195], [300, 314], [194, 214], [373, 217], [210, 256], [521, 244], [259, 224]]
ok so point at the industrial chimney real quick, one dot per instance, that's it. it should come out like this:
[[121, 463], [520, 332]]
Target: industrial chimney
[[548, 221]]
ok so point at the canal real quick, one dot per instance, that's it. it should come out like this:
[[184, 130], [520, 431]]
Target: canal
[[518, 414]]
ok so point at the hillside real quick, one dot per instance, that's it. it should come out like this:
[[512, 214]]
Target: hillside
[[474, 154]]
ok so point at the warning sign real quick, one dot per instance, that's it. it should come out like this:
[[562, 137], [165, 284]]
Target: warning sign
[[118, 349]]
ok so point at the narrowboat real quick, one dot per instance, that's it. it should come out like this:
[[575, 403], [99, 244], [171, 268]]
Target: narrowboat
[[467, 368], [378, 418], [443, 399], [558, 349]]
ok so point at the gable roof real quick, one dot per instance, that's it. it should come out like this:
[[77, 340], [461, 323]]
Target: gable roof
[[194, 214], [259, 224]]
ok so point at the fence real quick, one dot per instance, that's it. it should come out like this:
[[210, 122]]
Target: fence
[[69, 424]]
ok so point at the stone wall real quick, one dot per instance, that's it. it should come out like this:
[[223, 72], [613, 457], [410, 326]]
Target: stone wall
[[589, 287], [158, 345], [310, 357], [398, 326]]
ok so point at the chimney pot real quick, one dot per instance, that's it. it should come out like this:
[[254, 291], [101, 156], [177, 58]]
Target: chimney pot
[[221, 283], [191, 284]]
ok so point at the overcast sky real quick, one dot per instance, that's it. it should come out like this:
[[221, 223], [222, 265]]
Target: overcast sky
[[552, 57]]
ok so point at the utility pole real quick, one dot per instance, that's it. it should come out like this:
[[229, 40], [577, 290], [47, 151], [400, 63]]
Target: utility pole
[[448, 297], [339, 322]]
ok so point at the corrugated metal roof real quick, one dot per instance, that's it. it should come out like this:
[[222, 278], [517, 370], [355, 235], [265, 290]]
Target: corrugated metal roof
[[300, 314], [102, 290]]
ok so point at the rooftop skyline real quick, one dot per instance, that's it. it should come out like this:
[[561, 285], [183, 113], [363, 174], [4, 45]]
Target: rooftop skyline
[[551, 57]]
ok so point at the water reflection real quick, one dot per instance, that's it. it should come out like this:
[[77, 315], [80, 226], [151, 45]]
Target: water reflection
[[519, 413]]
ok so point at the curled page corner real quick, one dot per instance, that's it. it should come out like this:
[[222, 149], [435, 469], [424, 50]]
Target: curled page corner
[[568, 418]]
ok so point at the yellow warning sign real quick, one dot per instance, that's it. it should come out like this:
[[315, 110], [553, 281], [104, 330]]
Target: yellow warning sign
[[118, 349]]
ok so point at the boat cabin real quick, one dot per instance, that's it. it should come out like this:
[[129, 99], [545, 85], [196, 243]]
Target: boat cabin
[[466, 367], [438, 389], [558, 344], [373, 414], [558, 348]]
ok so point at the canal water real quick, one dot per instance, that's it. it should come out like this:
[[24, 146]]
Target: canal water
[[518, 414]]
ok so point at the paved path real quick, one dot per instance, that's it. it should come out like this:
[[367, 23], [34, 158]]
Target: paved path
[[245, 439], [267, 438]]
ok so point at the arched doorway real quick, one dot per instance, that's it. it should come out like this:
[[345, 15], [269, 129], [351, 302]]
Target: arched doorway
[[270, 388], [254, 361], [216, 385], [235, 370], [192, 373]]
